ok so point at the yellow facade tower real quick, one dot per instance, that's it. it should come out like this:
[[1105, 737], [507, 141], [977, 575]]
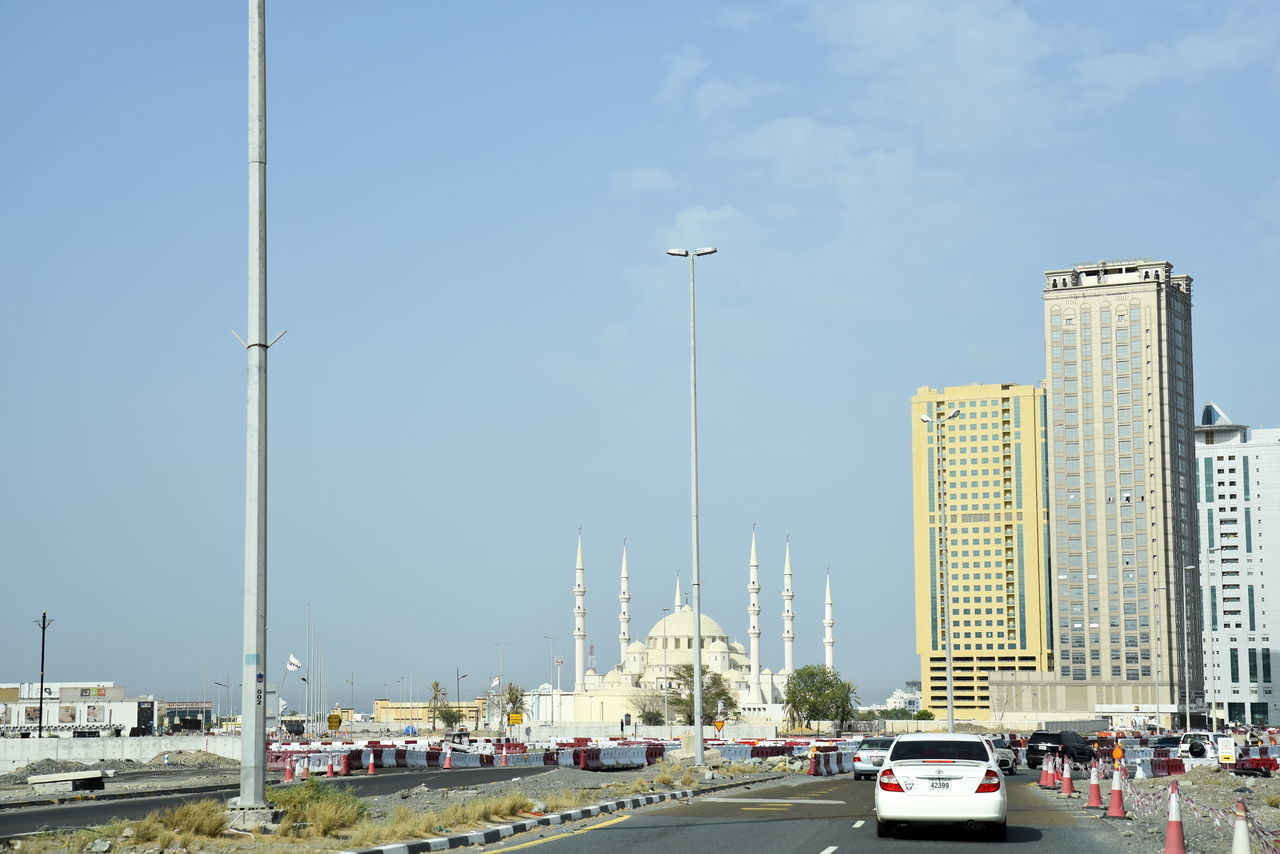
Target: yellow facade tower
[[978, 455]]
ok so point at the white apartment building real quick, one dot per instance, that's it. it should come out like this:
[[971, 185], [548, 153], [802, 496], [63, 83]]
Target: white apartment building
[[1236, 465]]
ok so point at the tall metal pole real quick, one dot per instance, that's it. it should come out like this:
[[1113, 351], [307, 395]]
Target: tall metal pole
[[44, 623], [253, 739], [697, 577], [1186, 652]]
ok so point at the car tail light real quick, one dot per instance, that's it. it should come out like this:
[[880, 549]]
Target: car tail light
[[990, 783], [857, 757], [889, 783]]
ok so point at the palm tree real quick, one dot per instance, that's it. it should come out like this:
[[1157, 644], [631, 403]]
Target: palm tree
[[514, 698], [438, 695]]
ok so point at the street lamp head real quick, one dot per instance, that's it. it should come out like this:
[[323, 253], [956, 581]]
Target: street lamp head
[[952, 414], [682, 253], [925, 418], [708, 250]]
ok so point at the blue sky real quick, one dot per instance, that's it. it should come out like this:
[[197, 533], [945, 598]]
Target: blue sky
[[487, 347]]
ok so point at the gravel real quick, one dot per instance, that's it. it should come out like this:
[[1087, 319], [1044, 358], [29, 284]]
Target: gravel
[[1207, 799]]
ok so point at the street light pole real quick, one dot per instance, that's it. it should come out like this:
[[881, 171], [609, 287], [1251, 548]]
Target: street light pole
[[458, 676], [1186, 653], [44, 623], [939, 441], [552, 686], [666, 682], [696, 583], [1156, 639]]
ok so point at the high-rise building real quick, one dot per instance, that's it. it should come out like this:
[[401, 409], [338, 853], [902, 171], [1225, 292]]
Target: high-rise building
[[1124, 610], [1235, 464], [984, 558]]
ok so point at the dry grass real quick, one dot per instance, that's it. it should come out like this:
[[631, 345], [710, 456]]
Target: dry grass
[[666, 774], [567, 799], [637, 786], [687, 778], [404, 823], [1272, 800], [194, 818], [317, 809]]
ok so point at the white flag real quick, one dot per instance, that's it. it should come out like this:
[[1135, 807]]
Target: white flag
[[283, 705], [293, 664], [494, 684]]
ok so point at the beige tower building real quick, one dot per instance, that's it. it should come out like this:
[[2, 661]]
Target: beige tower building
[[985, 559], [1122, 498]]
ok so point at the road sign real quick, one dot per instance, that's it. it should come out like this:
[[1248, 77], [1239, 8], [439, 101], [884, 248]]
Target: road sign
[[515, 719], [335, 721], [719, 725]]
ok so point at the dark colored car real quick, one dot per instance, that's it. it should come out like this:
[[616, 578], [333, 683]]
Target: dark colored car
[[1069, 744]]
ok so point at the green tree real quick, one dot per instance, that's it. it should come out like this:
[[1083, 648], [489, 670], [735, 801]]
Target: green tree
[[924, 715], [649, 708], [717, 699], [817, 693], [438, 696], [450, 716], [512, 700]]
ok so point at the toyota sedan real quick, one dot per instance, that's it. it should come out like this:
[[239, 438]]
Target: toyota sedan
[[934, 778]]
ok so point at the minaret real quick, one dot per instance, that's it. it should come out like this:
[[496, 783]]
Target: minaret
[[753, 623], [788, 617], [679, 601], [624, 610], [579, 621], [829, 638]]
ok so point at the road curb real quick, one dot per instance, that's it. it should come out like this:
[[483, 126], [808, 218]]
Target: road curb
[[116, 796], [495, 834]]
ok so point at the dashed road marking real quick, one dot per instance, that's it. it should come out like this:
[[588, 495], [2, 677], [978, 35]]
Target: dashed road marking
[[828, 849], [859, 823]]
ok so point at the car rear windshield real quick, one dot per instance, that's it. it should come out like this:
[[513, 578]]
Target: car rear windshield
[[940, 749], [1045, 738], [877, 743]]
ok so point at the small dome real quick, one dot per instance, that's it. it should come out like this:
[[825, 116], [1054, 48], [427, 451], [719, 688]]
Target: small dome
[[766, 672], [718, 646], [638, 646], [739, 648]]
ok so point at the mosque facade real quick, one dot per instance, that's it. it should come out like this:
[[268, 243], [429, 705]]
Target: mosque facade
[[647, 665]]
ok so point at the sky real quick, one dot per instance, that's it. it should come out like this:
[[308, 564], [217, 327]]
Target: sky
[[488, 348]]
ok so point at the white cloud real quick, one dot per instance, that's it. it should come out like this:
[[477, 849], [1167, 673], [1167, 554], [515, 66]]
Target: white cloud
[[682, 70], [716, 96], [642, 179], [699, 226]]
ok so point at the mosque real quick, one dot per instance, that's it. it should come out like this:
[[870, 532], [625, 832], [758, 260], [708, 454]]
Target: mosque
[[646, 666]]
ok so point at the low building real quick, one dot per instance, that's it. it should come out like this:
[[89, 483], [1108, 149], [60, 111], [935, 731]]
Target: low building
[[73, 710]]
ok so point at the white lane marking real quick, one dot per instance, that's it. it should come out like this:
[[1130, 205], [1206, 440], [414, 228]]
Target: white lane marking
[[828, 850], [859, 823], [769, 801]]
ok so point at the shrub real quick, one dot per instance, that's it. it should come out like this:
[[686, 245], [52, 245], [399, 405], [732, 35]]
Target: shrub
[[317, 809], [194, 818]]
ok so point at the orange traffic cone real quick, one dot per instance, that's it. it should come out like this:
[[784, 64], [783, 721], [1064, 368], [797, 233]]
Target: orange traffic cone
[[1057, 771], [328, 767], [1068, 785], [288, 771], [1095, 789], [1116, 808], [448, 759], [373, 764], [1174, 843], [504, 759], [305, 774], [1046, 776]]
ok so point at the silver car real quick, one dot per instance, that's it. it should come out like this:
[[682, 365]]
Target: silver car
[[870, 756]]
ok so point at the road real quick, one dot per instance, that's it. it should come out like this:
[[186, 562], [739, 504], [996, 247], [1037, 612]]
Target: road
[[90, 813], [816, 816]]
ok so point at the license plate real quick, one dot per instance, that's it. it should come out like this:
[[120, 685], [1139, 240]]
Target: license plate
[[939, 784]]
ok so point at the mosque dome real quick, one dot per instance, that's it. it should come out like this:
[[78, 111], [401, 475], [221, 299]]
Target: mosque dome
[[719, 646], [680, 625], [638, 646]]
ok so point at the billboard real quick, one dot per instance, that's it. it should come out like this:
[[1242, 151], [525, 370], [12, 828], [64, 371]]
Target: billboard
[[95, 713], [32, 714]]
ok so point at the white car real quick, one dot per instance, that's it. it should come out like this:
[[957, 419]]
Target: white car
[[932, 778], [1005, 757]]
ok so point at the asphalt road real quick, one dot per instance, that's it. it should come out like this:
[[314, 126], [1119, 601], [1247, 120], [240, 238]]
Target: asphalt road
[[816, 816], [15, 822]]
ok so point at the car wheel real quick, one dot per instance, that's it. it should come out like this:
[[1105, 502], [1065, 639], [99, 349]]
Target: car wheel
[[883, 829], [999, 832]]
